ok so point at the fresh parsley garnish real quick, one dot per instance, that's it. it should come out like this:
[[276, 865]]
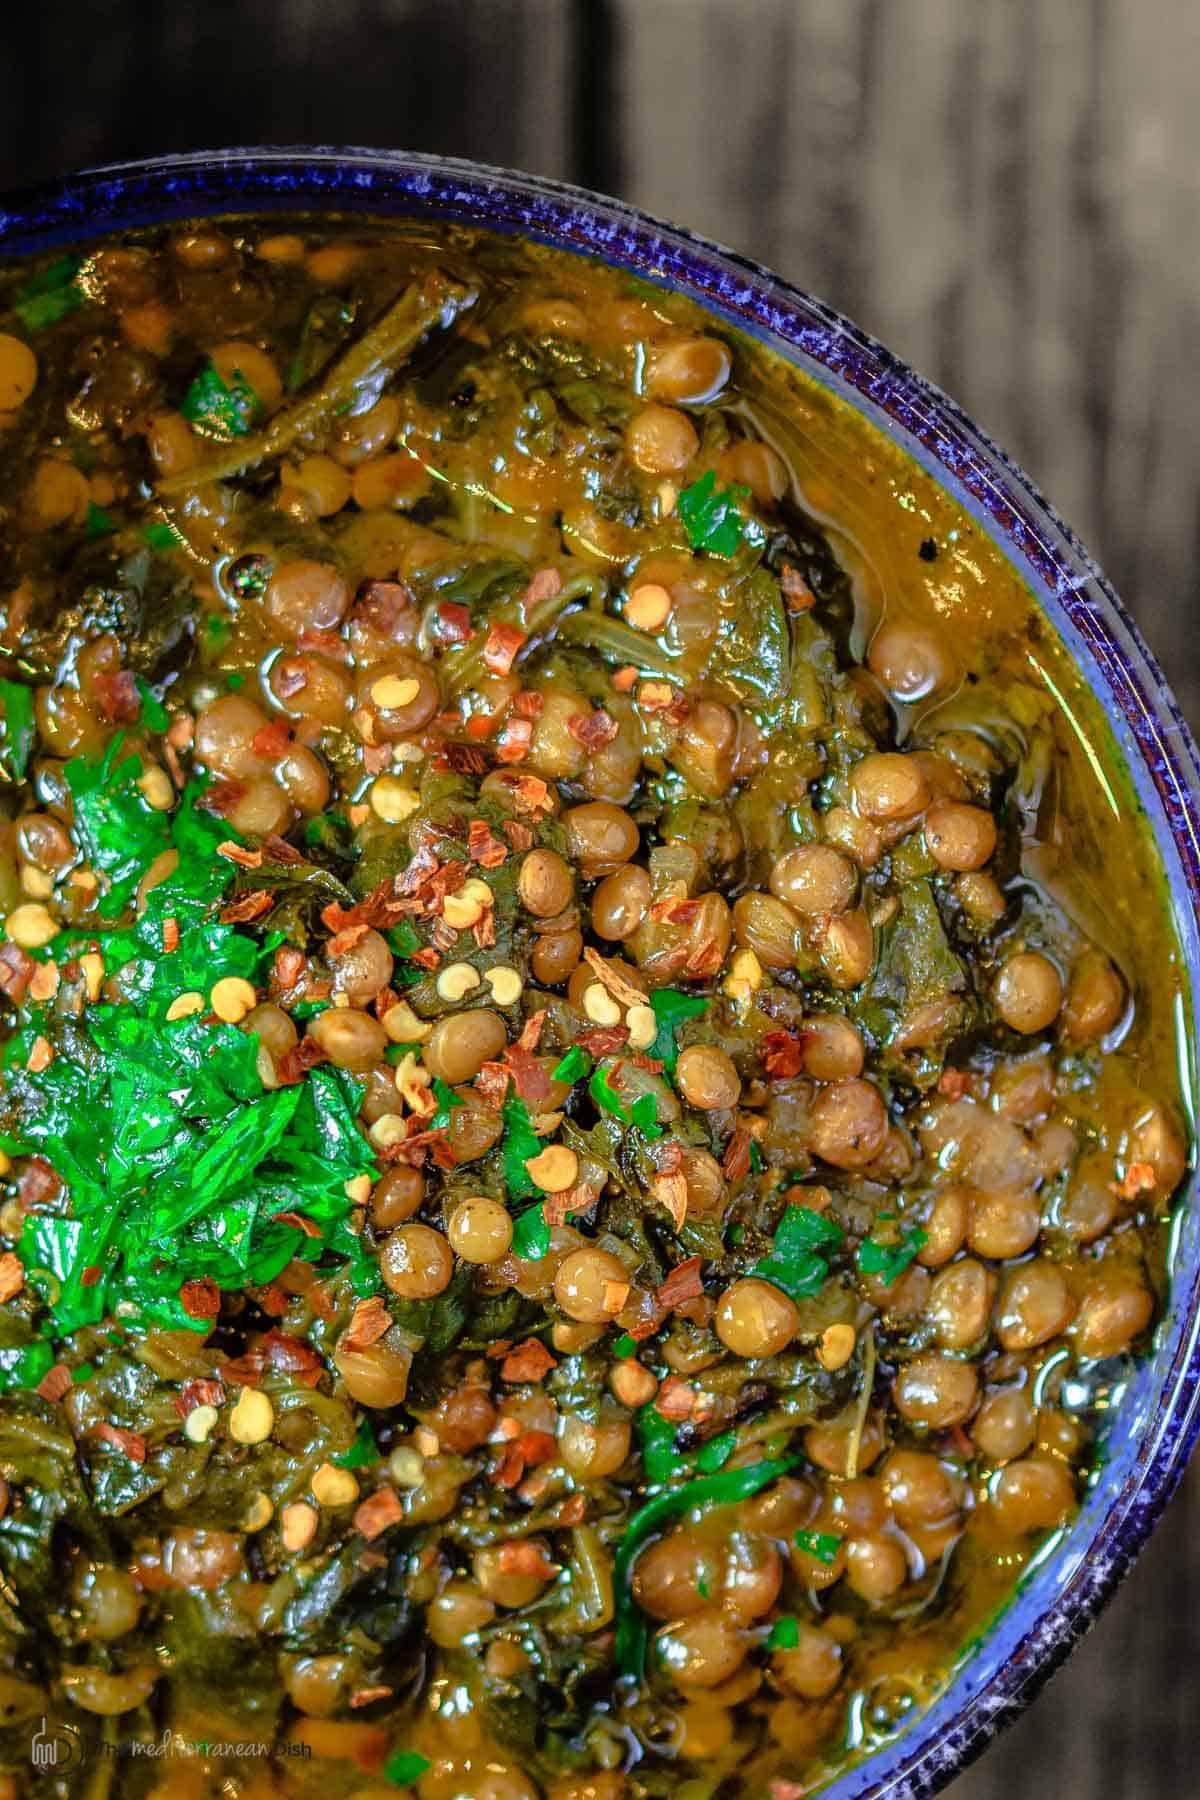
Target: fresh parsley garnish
[[98, 523], [50, 296], [363, 1451], [712, 516], [785, 1633], [573, 1066], [821, 1544], [521, 1143], [889, 1261], [154, 714], [671, 1008], [797, 1261], [531, 1234], [221, 409], [403, 1767]]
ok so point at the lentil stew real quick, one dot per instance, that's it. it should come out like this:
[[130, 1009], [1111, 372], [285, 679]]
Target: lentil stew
[[590, 1105]]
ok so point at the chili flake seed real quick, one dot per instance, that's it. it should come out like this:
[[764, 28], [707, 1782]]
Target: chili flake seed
[[200, 1422], [403, 1026], [554, 1169], [45, 981], [298, 1525], [31, 926], [406, 1466], [505, 983], [91, 964], [251, 1420], [600, 1006], [388, 1130], [332, 1486], [395, 690], [643, 1026], [41, 1055], [157, 788], [357, 1189], [185, 1005], [232, 998], [259, 1513], [456, 980], [836, 1346], [649, 606], [393, 800], [36, 882]]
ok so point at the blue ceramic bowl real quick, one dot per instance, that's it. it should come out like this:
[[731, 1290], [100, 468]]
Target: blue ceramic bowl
[[1156, 1424]]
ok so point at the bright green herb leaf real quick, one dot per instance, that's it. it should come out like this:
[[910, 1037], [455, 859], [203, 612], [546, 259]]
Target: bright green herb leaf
[[712, 516], [574, 1065], [403, 1767], [531, 1234], [119, 832], [796, 1261], [98, 523], [889, 1261], [605, 1095], [644, 1114], [521, 1143], [17, 728], [821, 1544], [624, 1346], [671, 1008], [50, 296], [155, 716], [161, 536], [363, 1451], [218, 408], [785, 1633]]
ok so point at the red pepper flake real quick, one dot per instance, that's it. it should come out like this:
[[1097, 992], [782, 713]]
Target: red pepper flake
[[559, 1207], [532, 795], [245, 1370], [529, 1078], [129, 1443], [682, 1284], [91, 1276], [41, 1055], [492, 1083], [56, 1382], [537, 1447], [277, 850], [524, 1557], [200, 1298], [247, 907], [272, 740], [376, 1513], [1139, 1179], [299, 1223], [12, 1275], [530, 1361], [782, 1054], [454, 622], [291, 1357], [509, 1470], [625, 679], [544, 585], [17, 970], [518, 835], [675, 1398], [953, 1083], [118, 696], [484, 930], [531, 1031], [295, 1063], [342, 941], [288, 966], [512, 746], [482, 847], [593, 730], [367, 1696], [322, 643], [170, 934], [501, 646], [270, 1299], [202, 1390], [234, 853], [780, 1789], [962, 1443], [426, 958], [39, 1181], [796, 591], [220, 799], [528, 704], [705, 960], [675, 909], [603, 1040], [736, 1161], [653, 1065], [369, 1322], [573, 1511]]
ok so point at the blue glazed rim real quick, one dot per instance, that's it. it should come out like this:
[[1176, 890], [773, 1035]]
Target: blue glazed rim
[[1159, 1418]]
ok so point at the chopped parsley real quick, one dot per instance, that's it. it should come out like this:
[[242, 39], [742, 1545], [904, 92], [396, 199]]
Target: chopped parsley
[[889, 1261], [531, 1234], [671, 1008], [785, 1633], [797, 1261], [161, 536], [521, 1144], [403, 1767], [155, 716], [363, 1451], [624, 1347], [50, 296], [712, 516], [573, 1066], [822, 1545], [220, 409]]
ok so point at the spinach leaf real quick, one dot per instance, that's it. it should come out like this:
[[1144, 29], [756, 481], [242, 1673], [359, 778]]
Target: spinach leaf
[[221, 409], [50, 296], [671, 1008], [17, 729], [712, 516]]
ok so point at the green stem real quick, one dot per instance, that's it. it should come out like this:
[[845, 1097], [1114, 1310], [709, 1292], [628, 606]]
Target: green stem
[[434, 301]]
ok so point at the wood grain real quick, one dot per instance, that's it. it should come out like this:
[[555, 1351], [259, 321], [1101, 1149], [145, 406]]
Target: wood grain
[[1007, 194]]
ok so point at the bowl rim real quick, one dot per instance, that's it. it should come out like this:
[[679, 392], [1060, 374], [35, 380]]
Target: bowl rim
[[1063, 1593]]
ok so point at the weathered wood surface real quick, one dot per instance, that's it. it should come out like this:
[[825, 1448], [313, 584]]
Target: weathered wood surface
[[1008, 194]]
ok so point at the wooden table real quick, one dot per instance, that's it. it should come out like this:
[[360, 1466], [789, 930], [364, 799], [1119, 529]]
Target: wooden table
[[1007, 194]]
